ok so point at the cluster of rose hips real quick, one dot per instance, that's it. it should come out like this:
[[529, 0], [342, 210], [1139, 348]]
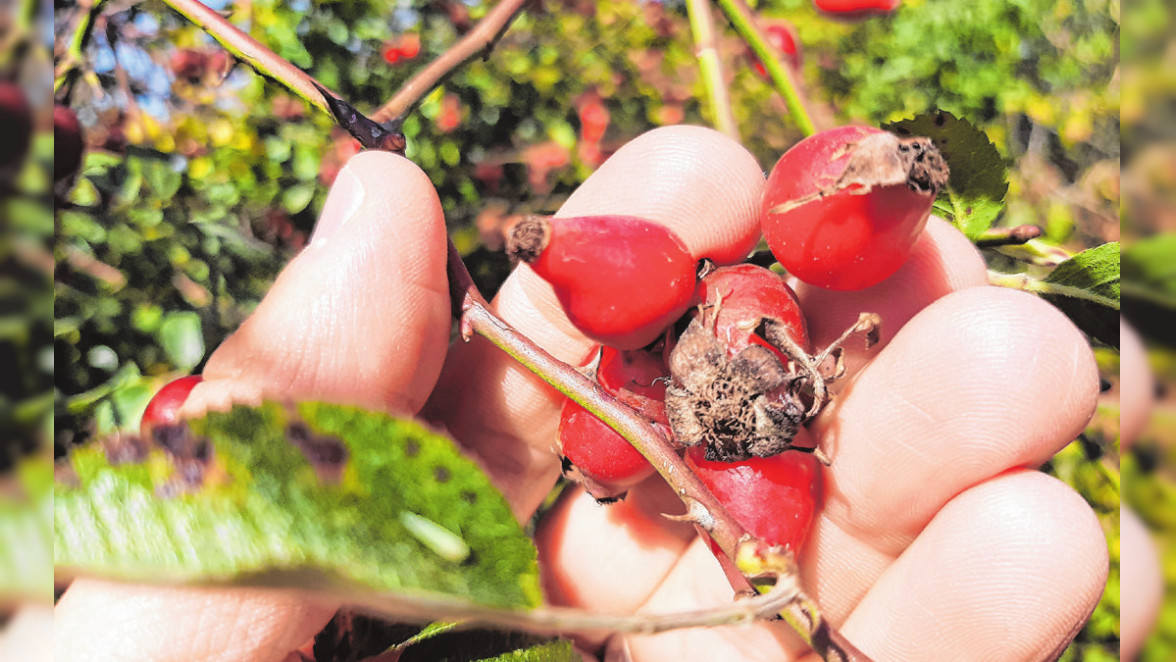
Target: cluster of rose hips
[[718, 357]]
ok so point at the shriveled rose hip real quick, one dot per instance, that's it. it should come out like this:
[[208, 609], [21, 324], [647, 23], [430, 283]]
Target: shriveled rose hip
[[732, 392]]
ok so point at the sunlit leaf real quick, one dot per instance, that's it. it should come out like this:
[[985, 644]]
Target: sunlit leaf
[[1086, 288], [316, 496], [974, 195], [182, 338]]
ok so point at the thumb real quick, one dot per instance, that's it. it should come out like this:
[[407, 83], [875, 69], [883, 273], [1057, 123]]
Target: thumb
[[361, 316]]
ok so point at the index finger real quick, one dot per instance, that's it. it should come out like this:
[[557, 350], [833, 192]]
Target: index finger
[[698, 182]]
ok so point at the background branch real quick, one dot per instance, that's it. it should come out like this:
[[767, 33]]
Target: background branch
[[702, 26], [254, 53], [69, 67], [480, 39], [743, 21]]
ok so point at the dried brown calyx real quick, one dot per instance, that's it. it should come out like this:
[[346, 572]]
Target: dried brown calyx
[[880, 159], [752, 404], [527, 238], [884, 159]]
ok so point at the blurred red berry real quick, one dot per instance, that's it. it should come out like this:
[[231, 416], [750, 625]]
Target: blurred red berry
[[164, 407]]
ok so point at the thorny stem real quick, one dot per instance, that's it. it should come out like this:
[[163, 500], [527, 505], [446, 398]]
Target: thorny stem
[[476, 318], [480, 39], [702, 26], [369, 133], [252, 52], [744, 22], [1027, 283], [702, 507]]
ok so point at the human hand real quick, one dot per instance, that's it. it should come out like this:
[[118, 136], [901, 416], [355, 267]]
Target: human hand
[[935, 542]]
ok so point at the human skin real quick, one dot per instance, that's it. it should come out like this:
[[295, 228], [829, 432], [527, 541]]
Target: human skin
[[937, 540], [1141, 584]]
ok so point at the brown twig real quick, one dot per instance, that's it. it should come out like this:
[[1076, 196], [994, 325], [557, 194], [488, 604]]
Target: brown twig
[[480, 39]]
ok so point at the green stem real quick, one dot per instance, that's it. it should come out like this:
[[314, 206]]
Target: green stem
[[1014, 236], [702, 26], [744, 22], [1027, 283], [1037, 252], [252, 52]]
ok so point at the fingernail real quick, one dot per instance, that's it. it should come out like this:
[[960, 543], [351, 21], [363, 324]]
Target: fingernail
[[345, 198]]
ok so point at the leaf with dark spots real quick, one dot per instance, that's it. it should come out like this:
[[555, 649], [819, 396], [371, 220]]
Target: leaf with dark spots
[[326, 454], [408, 517], [125, 449], [178, 441]]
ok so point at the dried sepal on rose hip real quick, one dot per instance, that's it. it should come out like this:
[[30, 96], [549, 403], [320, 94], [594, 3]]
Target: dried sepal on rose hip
[[743, 382], [843, 208], [732, 390], [593, 453], [620, 279]]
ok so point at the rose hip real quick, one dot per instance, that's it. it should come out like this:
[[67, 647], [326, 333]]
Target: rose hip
[[844, 208]]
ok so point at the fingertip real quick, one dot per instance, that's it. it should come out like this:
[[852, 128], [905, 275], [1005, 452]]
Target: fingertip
[[1142, 582], [1021, 554], [943, 261], [695, 180], [99, 620], [361, 316]]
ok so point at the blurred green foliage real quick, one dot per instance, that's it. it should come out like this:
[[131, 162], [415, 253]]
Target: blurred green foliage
[[202, 179]]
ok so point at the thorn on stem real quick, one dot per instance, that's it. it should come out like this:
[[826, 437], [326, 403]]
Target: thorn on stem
[[369, 133]]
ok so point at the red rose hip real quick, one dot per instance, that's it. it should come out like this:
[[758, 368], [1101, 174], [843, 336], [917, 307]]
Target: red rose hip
[[843, 208], [604, 461], [854, 8], [164, 406], [621, 280], [774, 498]]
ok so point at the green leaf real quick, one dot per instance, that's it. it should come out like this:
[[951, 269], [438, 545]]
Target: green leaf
[[1086, 288], [1149, 287], [441, 641], [1149, 270], [552, 651], [312, 497], [164, 180], [974, 195], [295, 198], [182, 338], [26, 533]]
